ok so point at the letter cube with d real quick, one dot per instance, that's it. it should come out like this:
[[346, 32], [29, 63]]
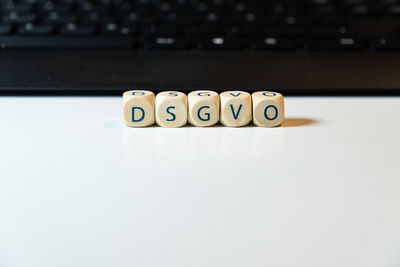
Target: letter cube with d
[[268, 109], [171, 109], [138, 108], [203, 108], [235, 108]]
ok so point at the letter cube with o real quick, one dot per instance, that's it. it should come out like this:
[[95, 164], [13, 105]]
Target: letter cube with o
[[268, 109], [203, 108], [138, 108], [171, 109], [235, 108]]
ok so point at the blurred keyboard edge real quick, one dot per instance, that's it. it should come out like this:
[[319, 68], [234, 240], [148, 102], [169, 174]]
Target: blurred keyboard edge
[[111, 72]]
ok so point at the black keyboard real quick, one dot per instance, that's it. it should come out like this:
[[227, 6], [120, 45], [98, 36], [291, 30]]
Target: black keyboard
[[309, 25]]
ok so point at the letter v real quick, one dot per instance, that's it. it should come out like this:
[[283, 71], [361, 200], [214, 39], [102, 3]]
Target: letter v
[[238, 94], [235, 116]]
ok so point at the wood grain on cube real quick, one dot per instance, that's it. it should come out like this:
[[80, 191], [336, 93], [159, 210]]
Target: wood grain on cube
[[268, 109], [203, 108], [171, 109], [236, 108], [138, 108]]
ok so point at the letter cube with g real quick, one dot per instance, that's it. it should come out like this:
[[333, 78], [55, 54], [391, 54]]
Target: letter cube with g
[[138, 108], [171, 109], [268, 109], [235, 108], [203, 108]]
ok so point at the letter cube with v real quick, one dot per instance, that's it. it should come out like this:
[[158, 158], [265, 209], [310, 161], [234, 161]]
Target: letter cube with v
[[235, 108], [138, 108], [171, 109], [268, 109], [203, 108]]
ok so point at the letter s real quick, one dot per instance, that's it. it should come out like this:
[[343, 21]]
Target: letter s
[[172, 114]]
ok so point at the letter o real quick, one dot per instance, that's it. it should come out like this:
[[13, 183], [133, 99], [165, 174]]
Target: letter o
[[266, 113], [269, 94]]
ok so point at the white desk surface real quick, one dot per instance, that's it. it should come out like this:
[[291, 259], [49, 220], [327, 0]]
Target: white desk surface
[[77, 188]]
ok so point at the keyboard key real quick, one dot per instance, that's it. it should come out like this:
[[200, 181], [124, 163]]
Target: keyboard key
[[32, 29], [160, 30], [219, 43], [56, 17], [76, 29], [116, 29], [58, 42], [306, 32], [394, 10], [166, 43], [383, 44], [202, 31], [275, 43], [23, 8], [343, 43], [244, 31], [5, 29], [61, 9], [15, 17], [135, 18]]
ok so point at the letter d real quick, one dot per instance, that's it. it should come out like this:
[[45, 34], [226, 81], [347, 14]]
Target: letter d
[[133, 114]]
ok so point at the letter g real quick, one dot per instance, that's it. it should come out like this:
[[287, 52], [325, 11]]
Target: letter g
[[207, 115]]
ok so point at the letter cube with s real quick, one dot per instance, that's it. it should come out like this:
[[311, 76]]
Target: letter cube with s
[[268, 109], [171, 109], [235, 108], [138, 108], [203, 108]]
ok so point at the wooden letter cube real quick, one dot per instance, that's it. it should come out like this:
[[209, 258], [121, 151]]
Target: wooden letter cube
[[268, 109], [203, 108], [171, 109], [138, 108], [235, 108]]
